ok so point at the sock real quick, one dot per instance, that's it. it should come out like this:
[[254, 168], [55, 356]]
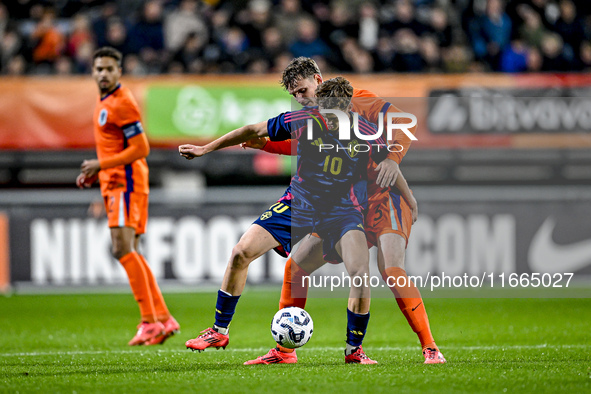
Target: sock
[[224, 310], [411, 304], [356, 327], [140, 285], [162, 313], [349, 349], [284, 349], [293, 291]]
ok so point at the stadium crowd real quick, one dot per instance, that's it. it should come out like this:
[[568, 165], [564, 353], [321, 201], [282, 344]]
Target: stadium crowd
[[42, 37]]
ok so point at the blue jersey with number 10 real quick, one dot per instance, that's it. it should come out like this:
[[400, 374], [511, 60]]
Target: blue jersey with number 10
[[327, 167]]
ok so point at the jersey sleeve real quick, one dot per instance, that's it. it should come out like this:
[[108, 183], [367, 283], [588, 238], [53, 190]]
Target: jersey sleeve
[[127, 117], [399, 137], [138, 148], [369, 105], [278, 129], [286, 147], [289, 124]]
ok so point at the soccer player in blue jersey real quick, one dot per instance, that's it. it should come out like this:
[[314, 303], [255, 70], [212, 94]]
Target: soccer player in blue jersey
[[322, 200], [391, 212]]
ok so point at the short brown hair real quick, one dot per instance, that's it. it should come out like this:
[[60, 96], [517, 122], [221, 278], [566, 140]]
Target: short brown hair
[[108, 52], [298, 69], [335, 93]]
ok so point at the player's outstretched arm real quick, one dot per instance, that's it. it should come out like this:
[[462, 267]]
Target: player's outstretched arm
[[234, 137]]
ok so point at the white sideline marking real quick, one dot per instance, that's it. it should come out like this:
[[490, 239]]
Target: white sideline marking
[[306, 349]]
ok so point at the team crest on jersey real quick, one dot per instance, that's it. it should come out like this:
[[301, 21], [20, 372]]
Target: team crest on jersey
[[351, 148], [266, 215], [102, 117]]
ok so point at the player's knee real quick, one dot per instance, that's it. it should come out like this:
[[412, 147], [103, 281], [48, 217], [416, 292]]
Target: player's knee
[[242, 255], [358, 271], [119, 251]]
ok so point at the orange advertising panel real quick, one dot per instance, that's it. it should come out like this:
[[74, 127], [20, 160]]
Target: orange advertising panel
[[54, 113]]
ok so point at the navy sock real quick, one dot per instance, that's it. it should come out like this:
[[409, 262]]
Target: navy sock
[[356, 327], [225, 308]]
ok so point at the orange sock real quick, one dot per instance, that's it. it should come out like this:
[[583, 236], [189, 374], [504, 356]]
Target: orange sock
[[293, 292], [140, 285], [162, 313], [410, 303]]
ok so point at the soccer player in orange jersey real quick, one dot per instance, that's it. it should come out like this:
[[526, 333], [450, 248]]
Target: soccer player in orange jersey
[[387, 222], [122, 170]]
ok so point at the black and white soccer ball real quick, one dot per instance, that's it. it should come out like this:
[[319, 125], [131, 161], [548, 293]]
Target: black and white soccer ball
[[292, 327]]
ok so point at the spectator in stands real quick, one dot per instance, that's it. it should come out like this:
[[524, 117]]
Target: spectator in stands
[[585, 56], [148, 32], [553, 54], [254, 21], [179, 24], [369, 26], [11, 44], [430, 53], [116, 36], [83, 59], [273, 44], [358, 59], [48, 41], [288, 12], [100, 25], [234, 46], [79, 35], [132, 65], [340, 25], [490, 34], [281, 61], [190, 53], [514, 57], [405, 19], [406, 52], [457, 59], [534, 60], [258, 66], [63, 66], [383, 54], [308, 43], [570, 27], [17, 65], [532, 31], [3, 20], [440, 28]]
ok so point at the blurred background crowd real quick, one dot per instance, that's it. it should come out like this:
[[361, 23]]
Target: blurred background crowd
[[41, 37]]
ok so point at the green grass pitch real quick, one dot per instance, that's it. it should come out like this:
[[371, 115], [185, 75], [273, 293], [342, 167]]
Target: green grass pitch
[[77, 343]]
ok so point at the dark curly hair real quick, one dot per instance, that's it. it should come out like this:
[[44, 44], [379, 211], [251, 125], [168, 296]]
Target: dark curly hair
[[298, 69]]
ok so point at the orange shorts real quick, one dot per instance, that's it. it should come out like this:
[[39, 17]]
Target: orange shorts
[[387, 214], [127, 209]]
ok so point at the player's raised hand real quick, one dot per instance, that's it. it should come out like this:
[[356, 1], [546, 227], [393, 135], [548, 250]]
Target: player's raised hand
[[387, 173], [255, 143], [190, 152]]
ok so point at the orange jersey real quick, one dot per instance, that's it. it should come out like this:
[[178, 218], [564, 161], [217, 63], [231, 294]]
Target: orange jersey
[[369, 105], [121, 144]]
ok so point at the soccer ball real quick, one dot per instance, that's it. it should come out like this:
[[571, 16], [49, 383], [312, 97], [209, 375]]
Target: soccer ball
[[292, 327]]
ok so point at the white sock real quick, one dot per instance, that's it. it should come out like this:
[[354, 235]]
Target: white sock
[[350, 349], [221, 330]]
